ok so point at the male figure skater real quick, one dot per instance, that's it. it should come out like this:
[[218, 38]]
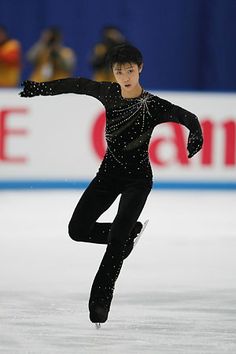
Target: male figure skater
[[131, 116]]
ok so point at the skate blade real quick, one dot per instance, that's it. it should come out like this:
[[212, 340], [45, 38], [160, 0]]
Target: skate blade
[[141, 232], [98, 325]]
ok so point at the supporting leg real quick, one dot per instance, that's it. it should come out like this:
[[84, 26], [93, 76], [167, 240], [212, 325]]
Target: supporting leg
[[131, 204]]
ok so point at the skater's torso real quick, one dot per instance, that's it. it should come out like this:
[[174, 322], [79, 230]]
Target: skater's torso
[[129, 125]]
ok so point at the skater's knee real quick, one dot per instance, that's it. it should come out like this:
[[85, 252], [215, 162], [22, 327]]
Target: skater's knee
[[75, 232], [71, 231]]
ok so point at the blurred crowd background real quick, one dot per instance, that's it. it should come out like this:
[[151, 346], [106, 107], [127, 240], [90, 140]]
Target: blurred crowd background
[[186, 44]]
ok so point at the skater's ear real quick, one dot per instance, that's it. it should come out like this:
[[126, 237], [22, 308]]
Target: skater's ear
[[140, 68]]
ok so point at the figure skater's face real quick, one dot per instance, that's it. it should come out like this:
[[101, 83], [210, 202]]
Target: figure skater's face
[[127, 76]]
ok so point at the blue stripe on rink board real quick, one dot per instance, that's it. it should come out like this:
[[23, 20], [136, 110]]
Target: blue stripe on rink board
[[81, 184]]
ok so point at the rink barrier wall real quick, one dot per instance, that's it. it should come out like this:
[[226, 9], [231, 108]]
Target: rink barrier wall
[[193, 185], [58, 142]]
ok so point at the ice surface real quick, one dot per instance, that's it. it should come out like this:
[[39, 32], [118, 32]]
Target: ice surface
[[176, 292]]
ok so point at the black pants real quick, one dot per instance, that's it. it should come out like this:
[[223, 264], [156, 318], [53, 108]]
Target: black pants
[[83, 226]]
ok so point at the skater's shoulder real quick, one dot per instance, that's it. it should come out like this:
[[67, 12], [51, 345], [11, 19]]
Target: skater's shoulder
[[110, 89], [155, 98], [151, 97], [111, 85]]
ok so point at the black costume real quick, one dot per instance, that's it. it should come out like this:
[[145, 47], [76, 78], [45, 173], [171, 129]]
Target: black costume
[[124, 170]]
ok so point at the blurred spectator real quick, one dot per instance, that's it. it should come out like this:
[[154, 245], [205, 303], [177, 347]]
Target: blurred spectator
[[111, 36], [50, 59], [10, 60]]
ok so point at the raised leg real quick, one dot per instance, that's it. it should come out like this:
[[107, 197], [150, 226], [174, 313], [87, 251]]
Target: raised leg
[[96, 199]]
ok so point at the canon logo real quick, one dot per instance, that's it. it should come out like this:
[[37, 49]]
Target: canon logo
[[166, 149], [6, 132], [177, 139]]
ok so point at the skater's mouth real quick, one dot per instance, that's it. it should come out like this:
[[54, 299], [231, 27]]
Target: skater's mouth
[[127, 85]]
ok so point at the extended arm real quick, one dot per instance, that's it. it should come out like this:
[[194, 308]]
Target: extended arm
[[68, 85]]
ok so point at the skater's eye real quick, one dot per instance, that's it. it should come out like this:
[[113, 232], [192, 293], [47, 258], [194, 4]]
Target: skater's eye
[[118, 71]]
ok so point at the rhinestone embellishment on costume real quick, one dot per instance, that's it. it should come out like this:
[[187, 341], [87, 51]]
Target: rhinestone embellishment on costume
[[126, 130]]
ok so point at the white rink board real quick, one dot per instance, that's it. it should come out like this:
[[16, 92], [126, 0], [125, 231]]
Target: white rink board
[[54, 138]]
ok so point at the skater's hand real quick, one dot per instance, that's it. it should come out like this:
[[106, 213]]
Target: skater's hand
[[195, 142], [30, 89]]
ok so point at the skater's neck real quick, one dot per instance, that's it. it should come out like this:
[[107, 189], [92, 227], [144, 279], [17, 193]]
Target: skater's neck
[[135, 93]]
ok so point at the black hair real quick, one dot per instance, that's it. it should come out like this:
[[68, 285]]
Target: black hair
[[124, 53]]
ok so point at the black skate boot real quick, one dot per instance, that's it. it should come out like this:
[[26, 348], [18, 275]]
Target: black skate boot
[[98, 311], [133, 235], [104, 282]]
